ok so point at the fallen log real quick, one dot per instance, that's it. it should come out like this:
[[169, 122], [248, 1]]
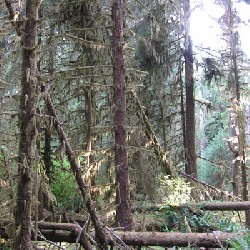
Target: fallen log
[[215, 239], [226, 206], [69, 232], [211, 206]]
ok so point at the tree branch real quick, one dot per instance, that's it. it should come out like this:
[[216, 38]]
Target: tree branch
[[11, 9]]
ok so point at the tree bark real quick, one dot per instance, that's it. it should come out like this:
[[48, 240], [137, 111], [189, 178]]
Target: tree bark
[[123, 211], [28, 129], [191, 167]]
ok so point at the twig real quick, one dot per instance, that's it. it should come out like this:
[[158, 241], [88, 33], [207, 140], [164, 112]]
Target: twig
[[215, 234], [51, 242], [118, 239], [219, 164], [167, 167], [83, 228], [85, 42], [209, 186], [10, 8]]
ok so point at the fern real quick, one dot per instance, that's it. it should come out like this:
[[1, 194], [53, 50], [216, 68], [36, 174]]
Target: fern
[[242, 243]]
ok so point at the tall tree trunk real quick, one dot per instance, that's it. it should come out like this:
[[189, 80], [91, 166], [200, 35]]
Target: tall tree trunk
[[235, 153], [244, 170], [242, 134], [88, 21], [47, 133], [123, 211], [28, 130], [191, 167], [248, 125], [39, 192], [240, 154]]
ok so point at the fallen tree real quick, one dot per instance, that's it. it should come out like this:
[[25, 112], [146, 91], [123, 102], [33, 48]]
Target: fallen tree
[[215, 239], [76, 169], [226, 206], [210, 206], [72, 233]]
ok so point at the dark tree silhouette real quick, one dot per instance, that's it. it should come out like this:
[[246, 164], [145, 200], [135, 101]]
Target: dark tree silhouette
[[191, 167]]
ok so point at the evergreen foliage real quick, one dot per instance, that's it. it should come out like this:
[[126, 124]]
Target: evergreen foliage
[[64, 188], [216, 169]]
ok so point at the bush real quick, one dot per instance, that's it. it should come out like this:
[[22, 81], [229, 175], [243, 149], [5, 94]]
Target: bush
[[174, 191], [64, 186]]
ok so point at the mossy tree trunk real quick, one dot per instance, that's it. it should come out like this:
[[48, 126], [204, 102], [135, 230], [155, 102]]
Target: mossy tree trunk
[[238, 144], [123, 211], [28, 129], [87, 20]]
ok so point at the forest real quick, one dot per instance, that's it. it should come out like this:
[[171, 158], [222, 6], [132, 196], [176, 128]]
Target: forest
[[117, 131]]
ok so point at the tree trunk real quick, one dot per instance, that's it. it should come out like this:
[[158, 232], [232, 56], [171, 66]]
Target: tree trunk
[[88, 21], [247, 153], [235, 154], [240, 153], [67, 232], [123, 211], [215, 239], [28, 130], [248, 125], [226, 206], [91, 165], [47, 152], [183, 120], [191, 168]]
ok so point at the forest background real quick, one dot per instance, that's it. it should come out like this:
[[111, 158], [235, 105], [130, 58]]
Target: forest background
[[110, 115]]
